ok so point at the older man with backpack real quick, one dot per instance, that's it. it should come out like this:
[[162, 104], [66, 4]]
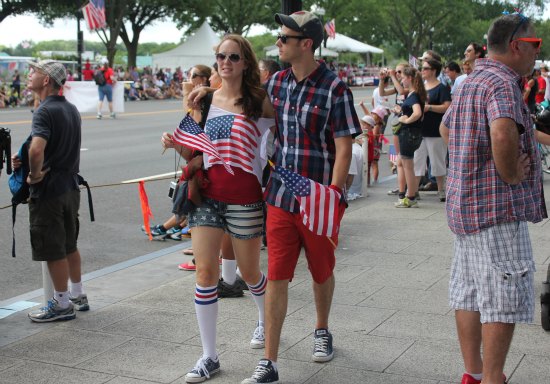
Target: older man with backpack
[[105, 78]]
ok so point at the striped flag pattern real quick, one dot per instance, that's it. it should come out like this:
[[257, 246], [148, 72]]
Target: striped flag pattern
[[206, 296], [94, 14], [319, 204], [259, 289], [330, 27], [236, 139], [392, 154], [191, 135]]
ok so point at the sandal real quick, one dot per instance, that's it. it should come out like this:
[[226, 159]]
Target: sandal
[[188, 252]]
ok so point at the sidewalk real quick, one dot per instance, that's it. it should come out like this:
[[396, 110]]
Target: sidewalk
[[390, 317]]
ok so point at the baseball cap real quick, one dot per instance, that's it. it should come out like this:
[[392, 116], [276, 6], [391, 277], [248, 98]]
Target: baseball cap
[[305, 22], [369, 120], [52, 68], [380, 111]]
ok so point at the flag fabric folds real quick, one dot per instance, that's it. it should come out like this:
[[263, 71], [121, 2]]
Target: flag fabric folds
[[191, 135], [94, 14], [319, 205], [330, 27]]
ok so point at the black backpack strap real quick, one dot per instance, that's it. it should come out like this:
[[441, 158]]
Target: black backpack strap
[[83, 182], [205, 108], [13, 214]]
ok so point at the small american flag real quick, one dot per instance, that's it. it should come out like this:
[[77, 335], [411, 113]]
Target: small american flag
[[94, 14], [330, 27], [319, 205], [413, 61], [190, 134], [392, 154], [236, 139]]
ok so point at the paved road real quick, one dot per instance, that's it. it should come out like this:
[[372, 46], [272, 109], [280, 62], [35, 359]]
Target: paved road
[[112, 151]]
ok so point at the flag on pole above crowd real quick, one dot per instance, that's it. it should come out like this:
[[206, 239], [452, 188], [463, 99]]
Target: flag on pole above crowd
[[319, 205], [191, 135], [413, 61], [330, 27], [94, 14]]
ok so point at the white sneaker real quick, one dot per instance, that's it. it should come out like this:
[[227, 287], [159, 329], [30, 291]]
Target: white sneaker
[[99, 116], [258, 339], [113, 115]]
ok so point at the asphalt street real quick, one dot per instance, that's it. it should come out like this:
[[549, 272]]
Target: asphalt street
[[112, 151]]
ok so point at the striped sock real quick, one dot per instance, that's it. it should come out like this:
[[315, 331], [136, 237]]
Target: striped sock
[[206, 306], [258, 294]]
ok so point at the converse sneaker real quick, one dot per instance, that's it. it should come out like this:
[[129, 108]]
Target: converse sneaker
[[53, 312], [322, 346], [265, 372], [80, 302], [204, 368], [258, 339], [227, 290]]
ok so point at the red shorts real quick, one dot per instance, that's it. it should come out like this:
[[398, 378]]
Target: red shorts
[[286, 235]]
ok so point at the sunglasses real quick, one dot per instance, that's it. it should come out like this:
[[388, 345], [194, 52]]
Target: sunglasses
[[195, 75], [284, 38], [536, 41], [427, 68], [399, 71], [233, 57]]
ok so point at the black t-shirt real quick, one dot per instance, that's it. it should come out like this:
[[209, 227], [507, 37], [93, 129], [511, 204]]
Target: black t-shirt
[[436, 96], [407, 110], [58, 122]]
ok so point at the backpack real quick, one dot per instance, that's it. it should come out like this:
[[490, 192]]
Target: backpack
[[99, 77]]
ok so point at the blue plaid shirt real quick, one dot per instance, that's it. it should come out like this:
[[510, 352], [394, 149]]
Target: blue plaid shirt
[[308, 115]]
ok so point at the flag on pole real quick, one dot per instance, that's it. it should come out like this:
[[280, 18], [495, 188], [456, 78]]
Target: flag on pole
[[319, 205], [330, 27], [191, 135], [94, 14], [413, 61]]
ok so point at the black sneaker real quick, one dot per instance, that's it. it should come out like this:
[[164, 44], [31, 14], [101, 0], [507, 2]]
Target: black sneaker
[[322, 346], [204, 368], [264, 373], [241, 283], [226, 290]]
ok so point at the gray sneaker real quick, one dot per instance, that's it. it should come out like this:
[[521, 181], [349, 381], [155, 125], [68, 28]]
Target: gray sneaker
[[80, 302], [52, 312], [204, 368], [258, 338]]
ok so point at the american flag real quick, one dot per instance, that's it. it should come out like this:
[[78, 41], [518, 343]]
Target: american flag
[[190, 134], [236, 139], [413, 61], [330, 27], [319, 205], [94, 14], [392, 154]]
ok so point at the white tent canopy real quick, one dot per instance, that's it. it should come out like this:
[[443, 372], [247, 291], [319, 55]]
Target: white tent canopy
[[273, 51], [198, 49], [343, 43]]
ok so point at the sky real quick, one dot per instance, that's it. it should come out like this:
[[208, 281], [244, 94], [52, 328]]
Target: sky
[[15, 29]]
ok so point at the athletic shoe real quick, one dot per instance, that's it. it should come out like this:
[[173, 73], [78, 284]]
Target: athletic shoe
[[227, 290], [258, 339], [204, 368], [441, 195], [80, 302], [393, 191], [402, 203], [113, 115], [322, 346], [265, 372], [53, 312], [185, 232], [99, 116], [417, 196], [241, 283], [188, 266], [413, 203]]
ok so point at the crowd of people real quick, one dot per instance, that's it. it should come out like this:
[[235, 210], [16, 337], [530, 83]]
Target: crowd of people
[[303, 120]]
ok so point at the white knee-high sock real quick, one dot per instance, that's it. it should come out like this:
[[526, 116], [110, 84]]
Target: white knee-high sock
[[206, 306], [229, 271], [258, 294]]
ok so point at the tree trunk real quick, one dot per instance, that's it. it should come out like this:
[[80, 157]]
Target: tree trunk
[[131, 48]]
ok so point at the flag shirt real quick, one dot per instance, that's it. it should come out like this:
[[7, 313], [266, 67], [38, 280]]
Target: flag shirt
[[238, 142], [309, 114]]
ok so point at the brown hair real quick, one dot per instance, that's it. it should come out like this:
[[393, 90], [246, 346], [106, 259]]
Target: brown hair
[[204, 71], [252, 91], [417, 84]]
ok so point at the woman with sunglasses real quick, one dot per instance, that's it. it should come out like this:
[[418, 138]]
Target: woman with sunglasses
[[239, 114], [439, 100], [410, 136]]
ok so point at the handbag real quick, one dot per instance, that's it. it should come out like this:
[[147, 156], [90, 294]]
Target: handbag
[[396, 127]]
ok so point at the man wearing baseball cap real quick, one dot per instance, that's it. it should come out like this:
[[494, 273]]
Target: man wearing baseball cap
[[315, 120], [54, 158]]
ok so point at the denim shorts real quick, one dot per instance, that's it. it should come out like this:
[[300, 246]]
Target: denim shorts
[[240, 221], [106, 90], [409, 142]]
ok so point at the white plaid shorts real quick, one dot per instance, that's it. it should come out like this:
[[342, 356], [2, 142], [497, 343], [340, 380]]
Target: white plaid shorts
[[492, 273]]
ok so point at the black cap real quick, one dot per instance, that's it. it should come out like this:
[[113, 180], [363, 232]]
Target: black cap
[[305, 22]]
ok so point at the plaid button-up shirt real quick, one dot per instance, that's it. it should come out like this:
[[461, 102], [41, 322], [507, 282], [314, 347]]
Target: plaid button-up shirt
[[308, 115], [477, 197]]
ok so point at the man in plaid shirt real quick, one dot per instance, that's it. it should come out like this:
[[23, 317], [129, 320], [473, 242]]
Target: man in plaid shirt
[[494, 187], [315, 120]]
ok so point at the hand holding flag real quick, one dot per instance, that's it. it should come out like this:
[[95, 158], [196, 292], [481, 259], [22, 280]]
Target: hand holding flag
[[191, 135]]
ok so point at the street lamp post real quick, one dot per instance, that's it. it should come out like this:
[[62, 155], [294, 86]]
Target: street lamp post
[[432, 29], [320, 11]]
